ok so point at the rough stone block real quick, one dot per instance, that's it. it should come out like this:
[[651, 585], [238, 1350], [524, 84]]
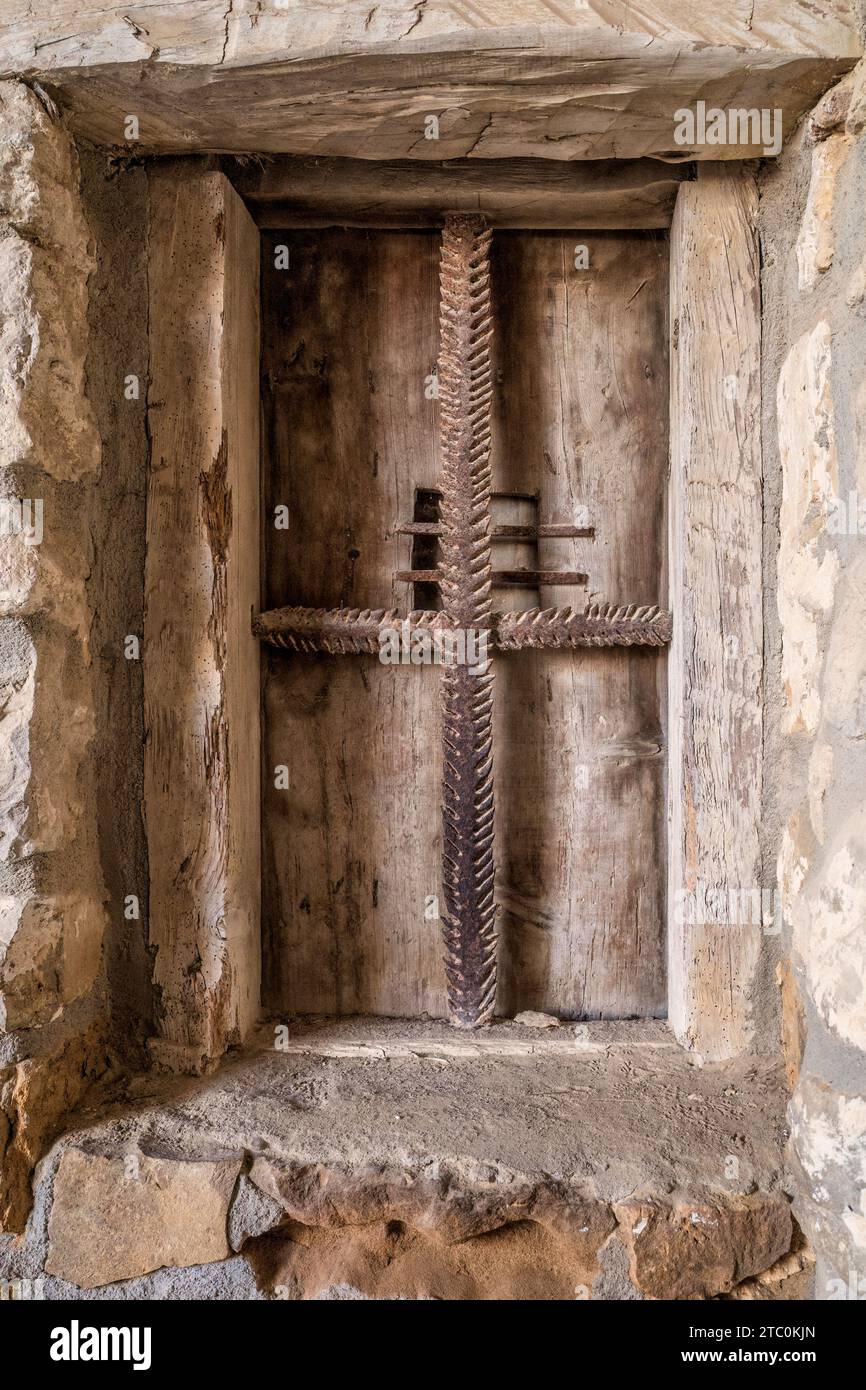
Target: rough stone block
[[252, 1213], [36, 1097], [689, 1250], [117, 1218], [50, 952], [47, 257], [44, 799]]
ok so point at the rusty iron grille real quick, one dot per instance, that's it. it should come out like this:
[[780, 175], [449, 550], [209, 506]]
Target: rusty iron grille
[[465, 579]]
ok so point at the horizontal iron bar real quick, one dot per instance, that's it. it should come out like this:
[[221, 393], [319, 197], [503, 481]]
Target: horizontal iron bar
[[501, 533], [501, 579], [358, 630]]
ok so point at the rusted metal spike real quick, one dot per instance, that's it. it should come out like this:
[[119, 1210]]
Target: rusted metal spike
[[465, 391], [358, 630], [339, 631], [597, 625]]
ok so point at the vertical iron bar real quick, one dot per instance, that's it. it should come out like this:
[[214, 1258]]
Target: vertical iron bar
[[465, 392]]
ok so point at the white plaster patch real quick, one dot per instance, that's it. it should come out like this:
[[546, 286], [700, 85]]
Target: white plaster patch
[[807, 571], [845, 679], [820, 779], [831, 1134], [857, 286], [19, 343], [856, 118], [16, 712], [815, 242], [860, 428], [830, 938], [856, 1223], [793, 864]]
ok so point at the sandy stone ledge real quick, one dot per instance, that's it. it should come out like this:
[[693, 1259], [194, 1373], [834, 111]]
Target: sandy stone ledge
[[377, 1164]]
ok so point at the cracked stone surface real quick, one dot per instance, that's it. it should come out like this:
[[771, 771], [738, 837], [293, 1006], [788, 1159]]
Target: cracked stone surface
[[392, 1159], [813, 291]]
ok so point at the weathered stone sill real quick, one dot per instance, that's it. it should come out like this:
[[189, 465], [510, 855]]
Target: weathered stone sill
[[399, 1159]]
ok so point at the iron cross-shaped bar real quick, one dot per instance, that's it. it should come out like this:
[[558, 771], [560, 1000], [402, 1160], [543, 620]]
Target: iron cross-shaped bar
[[465, 579]]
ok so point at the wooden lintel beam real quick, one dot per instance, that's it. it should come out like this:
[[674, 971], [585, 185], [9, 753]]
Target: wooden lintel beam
[[339, 78], [592, 194]]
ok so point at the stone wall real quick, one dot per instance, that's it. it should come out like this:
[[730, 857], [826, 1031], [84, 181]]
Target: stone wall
[[814, 288], [75, 991], [69, 797]]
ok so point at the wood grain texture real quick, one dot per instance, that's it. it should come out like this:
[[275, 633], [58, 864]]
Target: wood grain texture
[[716, 657], [353, 847], [206, 33], [201, 663], [536, 193], [581, 419], [526, 78], [494, 105]]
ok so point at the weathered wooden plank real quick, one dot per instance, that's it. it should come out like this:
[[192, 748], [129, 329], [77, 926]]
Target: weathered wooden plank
[[490, 106], [519, 78], [582, 421], [716, 657], [353, 846], [536, 193], [350, 433], [582, 919], [201, 663]]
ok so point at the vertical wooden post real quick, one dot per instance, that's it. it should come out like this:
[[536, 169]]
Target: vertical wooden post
[[201, 663], [716, 658]]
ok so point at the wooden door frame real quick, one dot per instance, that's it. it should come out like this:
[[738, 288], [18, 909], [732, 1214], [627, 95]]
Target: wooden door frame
[[715, 581], [716, 659], [202, 780]]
